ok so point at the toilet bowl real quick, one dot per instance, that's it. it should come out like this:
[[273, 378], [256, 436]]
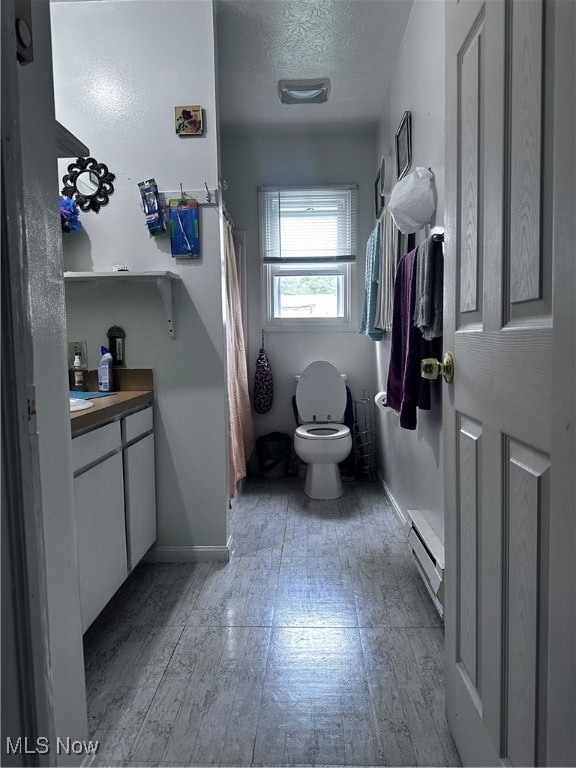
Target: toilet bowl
[[322, 440]]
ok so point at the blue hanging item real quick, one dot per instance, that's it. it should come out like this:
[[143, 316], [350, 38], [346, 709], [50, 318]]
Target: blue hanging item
[[152, 208], [184, 234], [69, 214]]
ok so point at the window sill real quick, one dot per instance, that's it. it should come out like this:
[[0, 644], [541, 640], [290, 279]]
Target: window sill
[[310, 328]]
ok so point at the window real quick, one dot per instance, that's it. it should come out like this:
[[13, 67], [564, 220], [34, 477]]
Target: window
[[308, 246]]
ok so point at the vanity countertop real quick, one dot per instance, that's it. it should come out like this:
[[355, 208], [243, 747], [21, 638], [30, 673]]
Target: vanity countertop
[[135, 390], [109, 408]]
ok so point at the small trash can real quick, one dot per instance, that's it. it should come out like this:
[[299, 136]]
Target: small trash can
[[273, 452]]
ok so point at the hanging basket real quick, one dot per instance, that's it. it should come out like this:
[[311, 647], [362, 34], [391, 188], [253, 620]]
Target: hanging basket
[[263, 382]]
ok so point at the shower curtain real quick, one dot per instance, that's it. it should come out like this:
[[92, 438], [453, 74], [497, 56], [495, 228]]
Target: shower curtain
[[241, 428]]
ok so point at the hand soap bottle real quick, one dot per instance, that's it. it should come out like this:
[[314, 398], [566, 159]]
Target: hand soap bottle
[[105, 371], [78, 372]]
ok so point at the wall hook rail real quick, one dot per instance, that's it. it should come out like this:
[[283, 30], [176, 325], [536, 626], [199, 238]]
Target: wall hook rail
[[204, 197]]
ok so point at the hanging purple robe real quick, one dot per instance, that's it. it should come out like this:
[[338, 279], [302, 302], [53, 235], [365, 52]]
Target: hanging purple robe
[[406, 390]]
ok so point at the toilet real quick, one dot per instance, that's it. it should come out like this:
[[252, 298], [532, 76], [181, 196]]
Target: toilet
[[322, 440]]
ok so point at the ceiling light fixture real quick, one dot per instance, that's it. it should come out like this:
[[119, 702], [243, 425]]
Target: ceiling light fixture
[[304, 91]]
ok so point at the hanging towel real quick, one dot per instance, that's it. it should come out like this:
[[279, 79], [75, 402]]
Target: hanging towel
[[263, 382], [380, 295], [429, 289], [385, 299], [405, 388], [372, 277]]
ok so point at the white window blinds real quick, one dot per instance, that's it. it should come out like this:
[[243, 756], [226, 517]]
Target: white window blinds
[[300, 226]]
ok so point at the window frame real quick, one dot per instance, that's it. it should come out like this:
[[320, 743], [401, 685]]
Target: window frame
[[274, 323], [344, 267]]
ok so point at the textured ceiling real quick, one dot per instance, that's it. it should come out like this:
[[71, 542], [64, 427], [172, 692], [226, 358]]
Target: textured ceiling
[[353, 42]]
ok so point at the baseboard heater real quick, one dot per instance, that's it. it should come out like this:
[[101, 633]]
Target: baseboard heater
[[426, 540]]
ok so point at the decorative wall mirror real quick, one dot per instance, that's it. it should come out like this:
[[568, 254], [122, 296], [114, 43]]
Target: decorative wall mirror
[[89, 183]]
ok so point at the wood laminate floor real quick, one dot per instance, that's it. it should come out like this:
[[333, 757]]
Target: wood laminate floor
[[317, 644]]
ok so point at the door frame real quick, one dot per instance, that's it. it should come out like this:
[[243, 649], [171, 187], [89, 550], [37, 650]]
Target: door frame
[[26, 694], [37, 510], [561, 672]]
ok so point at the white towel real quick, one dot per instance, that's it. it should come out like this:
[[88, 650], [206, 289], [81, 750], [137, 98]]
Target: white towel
[[385, 298]]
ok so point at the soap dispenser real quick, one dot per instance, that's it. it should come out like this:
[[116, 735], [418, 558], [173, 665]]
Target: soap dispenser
[[116, 337]]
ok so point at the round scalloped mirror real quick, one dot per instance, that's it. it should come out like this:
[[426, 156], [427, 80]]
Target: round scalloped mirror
[[89, 183]]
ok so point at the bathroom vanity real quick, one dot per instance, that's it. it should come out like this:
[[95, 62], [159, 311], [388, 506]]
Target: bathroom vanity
[[114, 487]]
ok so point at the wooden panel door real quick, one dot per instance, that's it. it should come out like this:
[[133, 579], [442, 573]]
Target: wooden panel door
[[499, 247]]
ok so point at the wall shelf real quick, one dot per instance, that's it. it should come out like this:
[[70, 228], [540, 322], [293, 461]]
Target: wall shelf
[[68, 145], [164, 282]]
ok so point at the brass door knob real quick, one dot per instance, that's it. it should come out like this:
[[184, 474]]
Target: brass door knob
[[431, 368]]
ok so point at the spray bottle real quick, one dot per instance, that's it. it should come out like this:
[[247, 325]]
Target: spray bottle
[[105, 371]]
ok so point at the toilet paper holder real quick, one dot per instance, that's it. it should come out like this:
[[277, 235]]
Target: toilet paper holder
[[381, 399]]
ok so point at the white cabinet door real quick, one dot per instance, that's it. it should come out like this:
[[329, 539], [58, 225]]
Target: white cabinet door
[[101, 533], [140, 489]]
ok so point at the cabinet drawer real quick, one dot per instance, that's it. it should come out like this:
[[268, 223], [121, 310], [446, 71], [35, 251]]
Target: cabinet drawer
[[137, 424], [93, 445]]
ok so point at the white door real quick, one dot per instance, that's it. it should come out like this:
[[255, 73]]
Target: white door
[[503, 215]]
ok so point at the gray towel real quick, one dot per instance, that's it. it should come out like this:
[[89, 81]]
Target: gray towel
[[429, 289]]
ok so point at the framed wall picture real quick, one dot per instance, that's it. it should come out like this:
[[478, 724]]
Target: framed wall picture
[[378, 197], [188, 121], [385, 175], [404, 145]]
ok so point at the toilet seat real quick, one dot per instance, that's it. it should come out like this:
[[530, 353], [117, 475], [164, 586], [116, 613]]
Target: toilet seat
[[319, 431], [321, 393]]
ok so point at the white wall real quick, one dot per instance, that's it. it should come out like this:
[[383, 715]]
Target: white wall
[[411, 463], [248, 162], [119, 70]]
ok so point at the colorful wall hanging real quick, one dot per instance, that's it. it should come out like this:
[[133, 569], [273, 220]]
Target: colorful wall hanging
[[188, 121]]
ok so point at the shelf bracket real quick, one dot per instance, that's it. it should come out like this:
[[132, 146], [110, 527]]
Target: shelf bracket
[[165, 287]]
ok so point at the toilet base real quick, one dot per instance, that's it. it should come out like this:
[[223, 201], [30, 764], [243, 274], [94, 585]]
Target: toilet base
[[323, 482]]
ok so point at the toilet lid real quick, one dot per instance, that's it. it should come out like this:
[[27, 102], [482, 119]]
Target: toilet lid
[[321, 393]]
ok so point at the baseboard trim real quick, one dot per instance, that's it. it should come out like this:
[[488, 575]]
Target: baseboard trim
[[189, 554], [406, 524]]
